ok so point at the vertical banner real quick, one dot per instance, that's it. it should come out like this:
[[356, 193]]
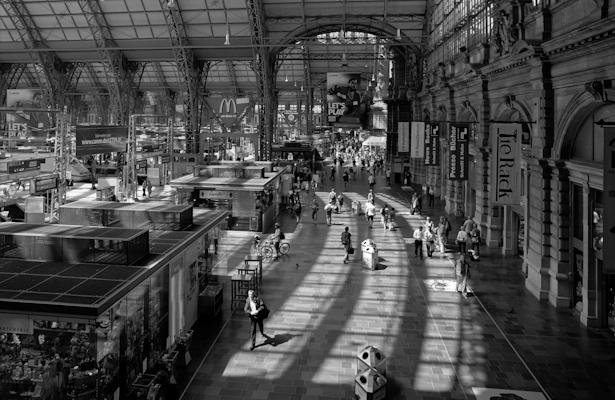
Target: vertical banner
[[458, 151], [507, 159], [608, 201], [403, 137], [416, 139], [432, 144]]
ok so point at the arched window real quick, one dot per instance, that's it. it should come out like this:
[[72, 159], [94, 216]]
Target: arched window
[[589, 141]]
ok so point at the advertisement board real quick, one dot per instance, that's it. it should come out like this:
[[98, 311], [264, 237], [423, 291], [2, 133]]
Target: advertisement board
[[17, 166], [22, 123], [432, 144], [348, 99], [417, 132], [228, 109], [507, 159], [403, 137], [458, 151], [97, 139]]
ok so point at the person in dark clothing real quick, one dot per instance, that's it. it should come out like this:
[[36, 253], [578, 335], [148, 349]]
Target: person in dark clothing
[[253, 308]]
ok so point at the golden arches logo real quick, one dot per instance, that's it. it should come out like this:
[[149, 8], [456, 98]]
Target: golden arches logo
[[226, 105]]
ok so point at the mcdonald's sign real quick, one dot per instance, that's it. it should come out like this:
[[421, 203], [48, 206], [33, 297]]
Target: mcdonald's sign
[[228, 108]]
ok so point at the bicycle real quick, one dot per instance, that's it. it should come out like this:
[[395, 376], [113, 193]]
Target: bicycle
[[267, 249]]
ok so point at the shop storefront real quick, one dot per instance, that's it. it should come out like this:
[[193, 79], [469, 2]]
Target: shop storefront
[[252, 197]]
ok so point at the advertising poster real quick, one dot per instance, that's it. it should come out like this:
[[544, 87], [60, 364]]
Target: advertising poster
[[403, 137], [348, 99], [24, 123], [229, 109], [507, 159], [432, 144], [417, 132], [458, 151], [96, 139], [608, 200]]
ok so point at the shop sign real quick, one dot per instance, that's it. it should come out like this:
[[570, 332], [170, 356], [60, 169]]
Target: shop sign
[[458, 151], [417, 138], [215, 194], [165, 159], [44, 184], [16, 324], [432, 144], [507, 158], [141, 164], [608, 200], [14, 167], [403, 137]]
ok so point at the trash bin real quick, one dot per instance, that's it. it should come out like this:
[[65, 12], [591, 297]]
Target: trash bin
[[370, 385], [369, 254], [372, 357]]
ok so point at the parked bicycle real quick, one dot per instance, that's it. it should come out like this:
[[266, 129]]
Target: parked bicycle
[[266, 248]]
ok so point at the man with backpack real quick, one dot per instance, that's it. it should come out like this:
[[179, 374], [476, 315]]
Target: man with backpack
[[346, 243]]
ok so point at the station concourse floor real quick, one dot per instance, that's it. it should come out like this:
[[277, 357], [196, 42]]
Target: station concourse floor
[[438, 344]]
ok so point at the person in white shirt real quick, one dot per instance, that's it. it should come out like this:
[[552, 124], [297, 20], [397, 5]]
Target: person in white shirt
[[418, 242], [370, 210]]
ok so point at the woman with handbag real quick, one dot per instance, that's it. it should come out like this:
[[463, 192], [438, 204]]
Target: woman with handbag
[[257, 311], [462, 273]]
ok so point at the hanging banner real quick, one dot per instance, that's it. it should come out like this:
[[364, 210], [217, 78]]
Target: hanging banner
[[403, 137], [417, 132], [228, 109], [23, 124], [432, 144], [97, 139], [507, 158], [608, 201], [347, 99], [458, 151]]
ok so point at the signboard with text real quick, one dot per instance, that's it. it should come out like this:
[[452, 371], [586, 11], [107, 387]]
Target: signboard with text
[[348, 99], [14, 167], [432, 144], [507, 159], [417, 132], [10, 323], [97, 139], [608, 200], [458, 151]]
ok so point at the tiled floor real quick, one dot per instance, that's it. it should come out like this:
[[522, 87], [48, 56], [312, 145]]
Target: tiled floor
[[438, 345]]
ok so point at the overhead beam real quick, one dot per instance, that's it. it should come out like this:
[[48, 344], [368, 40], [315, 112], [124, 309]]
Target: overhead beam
[[232, 77], [119, 72], [55, 75], [190, 72]]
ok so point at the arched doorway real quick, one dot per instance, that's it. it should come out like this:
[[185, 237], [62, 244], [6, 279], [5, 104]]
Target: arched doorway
[[592, 290]]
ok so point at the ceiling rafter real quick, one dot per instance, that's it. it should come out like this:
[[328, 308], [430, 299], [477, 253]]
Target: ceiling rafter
[[53, 70], [190, 73], [118, 70]]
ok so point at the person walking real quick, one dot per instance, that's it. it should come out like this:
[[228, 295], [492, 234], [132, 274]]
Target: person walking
[[346, 242], [298, 208], [462, 273], [255, 309], [370, 210], [148, 182], [428, 237], [384, 216], [277, 237], [418, 242], [315, 208], [332, 196], [345, 178], [371, 180], [329, 212], [387, 173], [340, 201], [441, 235], [462, 239], [475, 243]]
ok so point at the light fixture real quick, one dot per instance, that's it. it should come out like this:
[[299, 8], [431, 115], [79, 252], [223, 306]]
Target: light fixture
[[398, 36], [295, 83], [171, 4], [285, 78], [227, 37], [302, 87]]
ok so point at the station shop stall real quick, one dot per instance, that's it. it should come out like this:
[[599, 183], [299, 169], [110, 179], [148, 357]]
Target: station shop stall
[[250, 192], [95, 310]]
